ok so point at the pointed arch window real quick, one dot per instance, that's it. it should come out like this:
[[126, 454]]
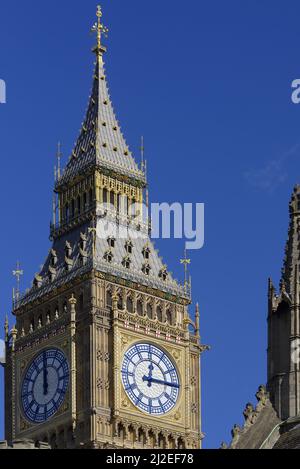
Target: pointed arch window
[[73, 208], [149, 310], [112, 199], [146, 269], [146, 253], [129, 247], [109, 299], [163, 274], [85, 204], [139, 307], [169, 317], [91, 196], [67, 212], [126, 262], [111, 242], [159, 313], [129, 305], [108, 256], [105, 198]]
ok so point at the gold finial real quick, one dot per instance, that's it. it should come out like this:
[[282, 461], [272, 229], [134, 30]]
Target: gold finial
[[143, 152], [197, 321], [59, 157], [17, 273], [100, 29], [185, 262]]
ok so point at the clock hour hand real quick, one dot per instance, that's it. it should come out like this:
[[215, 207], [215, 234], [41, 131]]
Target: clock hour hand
[[159, 381], [45, 375], [151, 368]]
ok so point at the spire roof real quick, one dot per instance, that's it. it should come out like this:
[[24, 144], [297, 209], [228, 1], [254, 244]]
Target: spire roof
[[290, 271], [101, 142]]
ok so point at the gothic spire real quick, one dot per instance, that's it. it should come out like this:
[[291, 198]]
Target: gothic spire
[[292, 250], [101, 142]]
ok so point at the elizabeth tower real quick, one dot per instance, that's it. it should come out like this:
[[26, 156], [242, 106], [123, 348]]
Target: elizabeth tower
[[103, 353]]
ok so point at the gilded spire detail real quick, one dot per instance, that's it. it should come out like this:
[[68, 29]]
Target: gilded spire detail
[[100, 30]]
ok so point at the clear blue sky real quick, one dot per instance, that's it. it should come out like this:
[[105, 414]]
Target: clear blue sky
[[208, 84]]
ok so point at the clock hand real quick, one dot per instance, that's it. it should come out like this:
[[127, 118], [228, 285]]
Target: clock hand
[[159, 381], [45, 375], [151, 368]]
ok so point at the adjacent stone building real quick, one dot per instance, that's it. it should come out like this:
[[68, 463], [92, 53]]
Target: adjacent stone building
[[275, 421]]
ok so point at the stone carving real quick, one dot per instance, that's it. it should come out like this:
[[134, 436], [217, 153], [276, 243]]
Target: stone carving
[[250, 414]]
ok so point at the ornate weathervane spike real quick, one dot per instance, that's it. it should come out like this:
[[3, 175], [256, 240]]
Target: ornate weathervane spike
[[17, 273], [185, 262], [99, 28], [59, 157]]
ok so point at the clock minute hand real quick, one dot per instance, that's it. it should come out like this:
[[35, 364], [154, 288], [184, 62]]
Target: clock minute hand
[[159, 381]]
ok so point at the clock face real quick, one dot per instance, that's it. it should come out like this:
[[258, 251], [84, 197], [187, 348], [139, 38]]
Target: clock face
[[150, 379], [44, 385]]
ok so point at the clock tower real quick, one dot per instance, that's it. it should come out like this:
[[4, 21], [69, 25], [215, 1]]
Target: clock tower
[[103, 353]]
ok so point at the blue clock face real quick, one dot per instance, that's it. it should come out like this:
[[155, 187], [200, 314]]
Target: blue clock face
[[44, 385], [150, 379]]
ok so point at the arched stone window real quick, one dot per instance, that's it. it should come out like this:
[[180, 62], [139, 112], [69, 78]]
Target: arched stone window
[[121, 431], [119, 203], [91, 197], [141, 436], [109, 299], [108, 256], [129, 305], [171, 442], [112, 199], [120, 302], [105, 196], [111, 242], [159, 313], [85, 204], [129, 247], [146, 269], [67, 212], [169, 316], [131, 434], [161, 441], [139, 307], [73, 208], [149, 310], [181, 444]]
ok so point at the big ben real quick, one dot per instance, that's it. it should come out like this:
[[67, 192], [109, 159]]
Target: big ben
[[104, 353]]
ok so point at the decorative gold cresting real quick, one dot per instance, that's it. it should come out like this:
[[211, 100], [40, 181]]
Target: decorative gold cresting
[[100, 29]]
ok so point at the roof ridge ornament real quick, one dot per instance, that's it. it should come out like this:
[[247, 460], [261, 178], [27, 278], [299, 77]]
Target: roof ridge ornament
[[100, 30]]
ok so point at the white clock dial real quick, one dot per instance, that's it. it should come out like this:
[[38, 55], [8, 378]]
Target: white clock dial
[[150, 379], [44, 385]]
